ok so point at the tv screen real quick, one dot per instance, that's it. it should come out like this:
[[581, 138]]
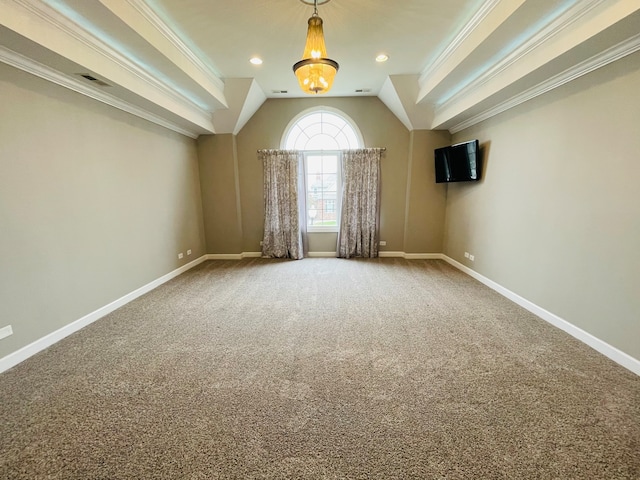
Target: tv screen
[[458, 163]]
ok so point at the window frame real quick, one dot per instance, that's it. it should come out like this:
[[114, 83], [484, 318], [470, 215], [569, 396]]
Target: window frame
[[293, 123], [338, 200], [355, 135]]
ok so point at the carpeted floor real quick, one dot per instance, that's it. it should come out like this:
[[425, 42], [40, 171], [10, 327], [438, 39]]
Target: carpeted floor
[[320, 368]]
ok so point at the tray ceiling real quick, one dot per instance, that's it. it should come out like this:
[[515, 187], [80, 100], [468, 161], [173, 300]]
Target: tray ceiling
[[185, 63]]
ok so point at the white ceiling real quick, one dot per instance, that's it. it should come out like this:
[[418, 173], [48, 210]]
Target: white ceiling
[[185, 64]]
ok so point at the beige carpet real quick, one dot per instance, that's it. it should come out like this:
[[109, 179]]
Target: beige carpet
[[320, 368]]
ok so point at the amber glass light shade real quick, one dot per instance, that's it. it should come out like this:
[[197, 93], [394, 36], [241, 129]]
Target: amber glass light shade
[[315, 72]]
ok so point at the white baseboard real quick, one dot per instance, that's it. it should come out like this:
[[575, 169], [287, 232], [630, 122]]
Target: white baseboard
[[388, 254], [609, 351], [27, 351], [321, 254], [224, 256], [232, 256], [410, 256], [423, 256], [601, 346]]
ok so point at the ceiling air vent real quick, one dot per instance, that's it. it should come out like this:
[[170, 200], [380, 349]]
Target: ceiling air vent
[[279, 91], [93, 79], [363, 90]]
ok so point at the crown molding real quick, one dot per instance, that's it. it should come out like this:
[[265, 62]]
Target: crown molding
[[79, 34], [152, 17], [572, 15], [486, 8], [47, 73], [604, 58]]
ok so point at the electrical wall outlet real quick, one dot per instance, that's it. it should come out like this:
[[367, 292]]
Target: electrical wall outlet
[[383, 243], [472, 257], [6, 331], [466, 254], [189, 252], [180, 255]]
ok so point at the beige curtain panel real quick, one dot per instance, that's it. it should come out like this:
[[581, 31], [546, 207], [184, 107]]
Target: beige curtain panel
[[359, 219], [282, 237]]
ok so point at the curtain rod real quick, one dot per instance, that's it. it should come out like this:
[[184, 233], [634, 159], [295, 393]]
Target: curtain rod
[[263, 150]]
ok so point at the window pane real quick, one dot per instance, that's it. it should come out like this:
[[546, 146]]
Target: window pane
[[301, 142], [330, 182], [313, 217], [342, 139], [330, 129], [313, 129], [314, 164], [350, 135], [322, 189], [314, 188], [311, 201], [310, 119], [334, 119], [322, 142], [330, 164], [321, 130]]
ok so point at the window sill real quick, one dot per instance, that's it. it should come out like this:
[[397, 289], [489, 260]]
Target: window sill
[[322, 229]]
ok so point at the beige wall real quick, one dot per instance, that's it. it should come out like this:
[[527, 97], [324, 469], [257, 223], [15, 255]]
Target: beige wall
[[412, 211], [220, 195], [426, 200], [556, 218], [94, 203]]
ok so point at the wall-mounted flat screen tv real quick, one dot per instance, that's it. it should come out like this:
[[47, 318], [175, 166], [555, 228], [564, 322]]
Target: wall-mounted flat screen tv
[[458, 163]]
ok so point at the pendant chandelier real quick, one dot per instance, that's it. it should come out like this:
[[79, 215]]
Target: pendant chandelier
[[315, 71]]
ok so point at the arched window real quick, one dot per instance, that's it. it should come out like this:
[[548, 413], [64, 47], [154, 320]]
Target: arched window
[[322, 133], [321, 128]]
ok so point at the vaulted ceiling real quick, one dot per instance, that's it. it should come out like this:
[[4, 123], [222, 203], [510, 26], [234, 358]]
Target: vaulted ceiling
[[184, 64]]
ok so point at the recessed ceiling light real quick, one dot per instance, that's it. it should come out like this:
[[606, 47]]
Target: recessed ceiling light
[[382, 58], [256, 60]]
